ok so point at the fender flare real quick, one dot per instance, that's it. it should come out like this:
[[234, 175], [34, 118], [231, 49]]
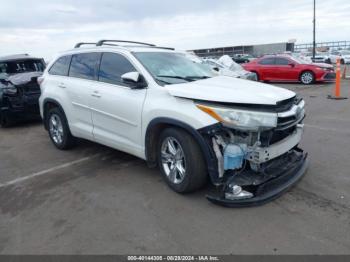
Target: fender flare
[[208, 153]]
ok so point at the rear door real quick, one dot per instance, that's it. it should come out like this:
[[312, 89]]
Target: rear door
[[117, 108], [267, 68], [78, 87]]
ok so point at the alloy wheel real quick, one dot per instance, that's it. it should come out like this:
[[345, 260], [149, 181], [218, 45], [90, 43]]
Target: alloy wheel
[[307, 78], [173, 160], [56, 129]]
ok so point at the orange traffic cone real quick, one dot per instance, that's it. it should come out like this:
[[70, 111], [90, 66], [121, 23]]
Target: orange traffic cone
[[337, 84]]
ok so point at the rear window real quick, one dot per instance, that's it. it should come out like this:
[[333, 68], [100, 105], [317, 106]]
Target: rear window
[[84, 65], [22, 66], [61, 66], [267, 61], [281, 61]]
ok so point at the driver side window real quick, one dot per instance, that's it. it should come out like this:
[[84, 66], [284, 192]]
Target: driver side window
[[112, 67]]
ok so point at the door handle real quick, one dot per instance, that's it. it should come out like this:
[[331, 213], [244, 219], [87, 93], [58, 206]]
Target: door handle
[[61, 85], [96, 94]]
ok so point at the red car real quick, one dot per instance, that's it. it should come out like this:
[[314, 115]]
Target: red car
[[286, 68]]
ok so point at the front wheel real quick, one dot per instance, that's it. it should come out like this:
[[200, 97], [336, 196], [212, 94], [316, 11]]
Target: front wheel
[[307, 78], [181, 161]]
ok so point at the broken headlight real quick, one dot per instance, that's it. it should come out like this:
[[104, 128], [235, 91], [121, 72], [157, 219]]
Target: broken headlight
[[241, 119]]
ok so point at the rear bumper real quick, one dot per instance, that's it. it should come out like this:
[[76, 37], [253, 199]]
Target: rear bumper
[[282, 178]]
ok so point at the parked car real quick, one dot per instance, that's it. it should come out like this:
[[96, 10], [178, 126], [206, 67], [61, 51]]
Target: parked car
[[285, 68], [343, 55], [243, 58], [158, 105], [19, 90], [227, 67], [320, 57]]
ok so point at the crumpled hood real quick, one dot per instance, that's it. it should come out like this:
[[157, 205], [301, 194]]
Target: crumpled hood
[[22, 78], [230, 90]]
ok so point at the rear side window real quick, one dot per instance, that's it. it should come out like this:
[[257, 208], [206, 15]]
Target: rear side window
[[267, 61], [112, 67], [61, 66], [281, 61], [84, 65]]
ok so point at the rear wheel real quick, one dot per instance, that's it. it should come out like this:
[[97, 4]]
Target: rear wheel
[[181, 161], [58, 129], [307, 78], [342, 61]]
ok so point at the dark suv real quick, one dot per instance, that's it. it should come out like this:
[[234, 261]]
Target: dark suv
[[19, 89]]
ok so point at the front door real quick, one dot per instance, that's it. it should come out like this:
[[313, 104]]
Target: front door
[[117, 108]]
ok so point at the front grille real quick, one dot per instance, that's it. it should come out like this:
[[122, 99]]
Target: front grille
[[330, 76]]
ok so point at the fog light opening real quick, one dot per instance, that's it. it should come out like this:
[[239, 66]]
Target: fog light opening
[[236, 192]]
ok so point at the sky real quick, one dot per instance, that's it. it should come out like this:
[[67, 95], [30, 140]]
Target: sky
[[43, 28]]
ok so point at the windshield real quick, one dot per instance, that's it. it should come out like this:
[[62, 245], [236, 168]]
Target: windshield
[[345, 52], [172, 68], [300, 60], [24, 66]]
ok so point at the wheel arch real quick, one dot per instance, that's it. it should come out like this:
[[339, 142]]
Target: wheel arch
[[47, 105], [307, 70], [156, 126]]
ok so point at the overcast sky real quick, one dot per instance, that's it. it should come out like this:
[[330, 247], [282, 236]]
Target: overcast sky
[[43, 28]]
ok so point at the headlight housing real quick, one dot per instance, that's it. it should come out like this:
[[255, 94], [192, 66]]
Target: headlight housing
[[241, 119]]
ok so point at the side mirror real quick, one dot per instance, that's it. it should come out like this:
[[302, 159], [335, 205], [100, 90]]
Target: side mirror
[[134, 79], [216, 69], [291, 64]]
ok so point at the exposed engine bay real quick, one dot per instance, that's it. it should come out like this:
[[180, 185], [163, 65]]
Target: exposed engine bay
[[256, 162]]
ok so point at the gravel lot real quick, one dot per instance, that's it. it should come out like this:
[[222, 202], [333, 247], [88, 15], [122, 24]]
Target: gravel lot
[[95, 200]]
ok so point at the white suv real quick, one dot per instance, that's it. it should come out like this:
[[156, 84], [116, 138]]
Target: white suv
[[156, 104]]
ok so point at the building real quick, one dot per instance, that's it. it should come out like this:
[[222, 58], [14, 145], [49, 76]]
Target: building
[[255, 50]]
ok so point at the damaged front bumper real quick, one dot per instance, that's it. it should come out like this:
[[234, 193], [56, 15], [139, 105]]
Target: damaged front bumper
[[254, 167], [279, 175]]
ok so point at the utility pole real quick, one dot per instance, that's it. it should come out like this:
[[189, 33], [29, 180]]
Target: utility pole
[[314, 33]]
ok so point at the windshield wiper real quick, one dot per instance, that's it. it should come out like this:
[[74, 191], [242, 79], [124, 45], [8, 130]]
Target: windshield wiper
[[186, 78], [198, 77], [177, 77]]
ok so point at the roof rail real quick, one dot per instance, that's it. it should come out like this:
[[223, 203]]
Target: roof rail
[[101, 42], [83, 43]]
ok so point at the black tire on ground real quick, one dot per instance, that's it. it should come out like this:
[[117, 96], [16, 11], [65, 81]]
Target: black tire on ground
[[307, 77], [342, 61], [68, 141], [328, 61], [4, 121], [196, 174]]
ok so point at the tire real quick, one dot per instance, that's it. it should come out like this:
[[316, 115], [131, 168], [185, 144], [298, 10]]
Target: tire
[[4, 121], [59, 133], [342, 61], [307, 78], [328, 61], [194, 171]]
